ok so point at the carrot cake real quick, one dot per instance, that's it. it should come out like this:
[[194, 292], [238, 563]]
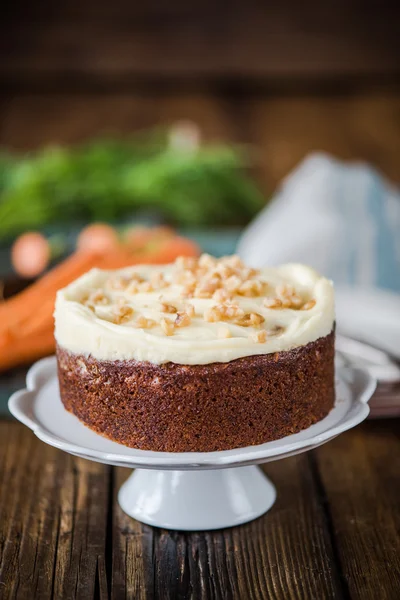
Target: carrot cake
[[200, 355]]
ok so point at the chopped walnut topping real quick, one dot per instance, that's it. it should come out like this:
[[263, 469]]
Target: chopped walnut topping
[[272, 303], [297, 301], [222, 280], [224, 332], [259, 336], [212, 315], [286, 303], [207, 287], [182, 319], [222, 295], [167, 308], [207, 261], [223, 312], [251, 288], [202, 291], [186, 262], [233, 261], [250, 320], [157, 281], [249, 273], [167, 326], [230, 311], [289, 297], [188, 291], [308, 305], [185, 278], [285, 290], [122, 313], [143, 323], [95, 298], [224, 271], [233, 283]]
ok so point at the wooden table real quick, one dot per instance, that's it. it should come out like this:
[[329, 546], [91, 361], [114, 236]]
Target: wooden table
[[333, 532]]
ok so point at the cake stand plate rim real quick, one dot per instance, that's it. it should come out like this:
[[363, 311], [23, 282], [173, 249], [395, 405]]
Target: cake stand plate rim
[[24, 405]]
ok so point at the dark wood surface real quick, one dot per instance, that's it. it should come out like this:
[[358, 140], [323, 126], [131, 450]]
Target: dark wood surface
[[333, 532], [121, 42]]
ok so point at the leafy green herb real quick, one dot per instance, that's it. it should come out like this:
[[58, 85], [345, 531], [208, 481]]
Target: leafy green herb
[[113, 179]]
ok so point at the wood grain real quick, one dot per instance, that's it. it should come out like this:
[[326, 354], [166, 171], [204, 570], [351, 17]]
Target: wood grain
[[116, 42], [52, 530], [285, 554], [354, 127], [333, 532], [359, 472], [131, 550]]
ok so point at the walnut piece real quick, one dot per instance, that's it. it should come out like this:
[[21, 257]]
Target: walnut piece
[[167, 326], [182, 319], [251, 288], [308, 305], [143, 323], [122, 313], [272, 303], [167, 308], [259, 336], [223, 312], [157, 281], [222, 295], [250, 320]]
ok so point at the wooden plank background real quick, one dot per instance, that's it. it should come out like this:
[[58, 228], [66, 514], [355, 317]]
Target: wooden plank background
[[121, 41]]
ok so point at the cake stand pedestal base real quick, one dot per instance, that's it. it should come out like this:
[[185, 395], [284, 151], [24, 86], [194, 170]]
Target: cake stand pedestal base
[[197, 500]]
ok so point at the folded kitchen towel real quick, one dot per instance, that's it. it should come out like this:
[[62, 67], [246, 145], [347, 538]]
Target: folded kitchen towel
[[344, 220]]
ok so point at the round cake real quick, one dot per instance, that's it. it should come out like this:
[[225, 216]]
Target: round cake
[[204, 354]]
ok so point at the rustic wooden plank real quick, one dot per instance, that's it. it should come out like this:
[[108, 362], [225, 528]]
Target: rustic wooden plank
[[285, 554], [359, 472], [52, 520], [354, 127], [33, 120], [131, 549], [199, 40]]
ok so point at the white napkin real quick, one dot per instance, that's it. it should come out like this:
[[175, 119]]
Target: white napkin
[[344, 220]]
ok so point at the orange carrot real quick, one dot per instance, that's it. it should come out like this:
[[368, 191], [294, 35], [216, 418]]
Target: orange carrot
[[27, 349], [174, 247]]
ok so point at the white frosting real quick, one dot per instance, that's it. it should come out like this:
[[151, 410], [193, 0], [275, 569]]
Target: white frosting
[[81, 330]]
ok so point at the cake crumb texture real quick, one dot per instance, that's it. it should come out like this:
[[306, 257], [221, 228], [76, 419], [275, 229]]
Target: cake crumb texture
[[200, 408]]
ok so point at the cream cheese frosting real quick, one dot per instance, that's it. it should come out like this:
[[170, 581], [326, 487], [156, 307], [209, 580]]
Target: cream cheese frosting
[[194, 311]]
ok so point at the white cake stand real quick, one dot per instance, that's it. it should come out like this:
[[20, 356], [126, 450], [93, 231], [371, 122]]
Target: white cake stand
[[193, 490]]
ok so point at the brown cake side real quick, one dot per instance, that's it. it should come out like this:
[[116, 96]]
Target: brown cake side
[[219, 406]]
